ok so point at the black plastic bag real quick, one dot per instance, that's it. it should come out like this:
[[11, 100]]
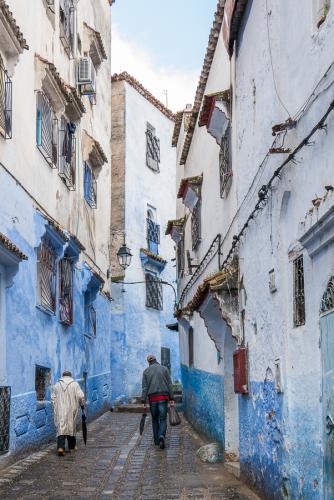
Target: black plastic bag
[[142, 423], [174, 417]]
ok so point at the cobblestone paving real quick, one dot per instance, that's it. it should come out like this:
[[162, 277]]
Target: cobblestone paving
[[118, 464]]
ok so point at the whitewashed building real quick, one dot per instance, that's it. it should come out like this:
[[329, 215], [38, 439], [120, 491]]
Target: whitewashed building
[[256, 306], [55, 185], [143, 199]]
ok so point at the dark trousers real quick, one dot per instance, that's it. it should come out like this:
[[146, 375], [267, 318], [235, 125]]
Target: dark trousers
[[61, 441], [159, 419]]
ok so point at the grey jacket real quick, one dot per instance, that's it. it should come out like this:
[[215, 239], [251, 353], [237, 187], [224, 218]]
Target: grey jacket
[[156, 382]]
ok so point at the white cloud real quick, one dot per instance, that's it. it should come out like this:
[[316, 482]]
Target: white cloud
[[127, 56]]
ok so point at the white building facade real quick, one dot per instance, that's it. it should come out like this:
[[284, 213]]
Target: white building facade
[[143, 199], [256, 308]]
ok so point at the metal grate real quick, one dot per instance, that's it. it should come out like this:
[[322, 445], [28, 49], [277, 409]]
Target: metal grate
[[196, 225], [47, 276], [225, 162], [5, 103], [66, 291], [154, 298], [66, 21], [4, 419], [46, 130], [153, 232], [90, 186], [298, 292], [90, 320], [42, 382], [180, 256], [327, 303], [67, 156], [152, 149]]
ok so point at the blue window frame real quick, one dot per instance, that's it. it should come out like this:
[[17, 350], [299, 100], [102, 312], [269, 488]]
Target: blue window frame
[[90, 186]]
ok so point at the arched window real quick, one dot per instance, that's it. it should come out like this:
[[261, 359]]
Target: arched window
[[327, 302]]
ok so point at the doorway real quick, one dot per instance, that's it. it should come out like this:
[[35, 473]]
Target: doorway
[[231, 402]]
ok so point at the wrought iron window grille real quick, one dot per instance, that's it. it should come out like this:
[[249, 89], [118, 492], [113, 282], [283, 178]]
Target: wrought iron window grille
[[196, 225], [153, 233], [42, 382], [180, 256], [46, 130], [298, 292], [5, 103], [327, 303], [66, 291], [90, 186], [66, 25], [47, 276], [4, 419], [154, 296], [67, 153], [152, 149], [90, 314], [225, 162]]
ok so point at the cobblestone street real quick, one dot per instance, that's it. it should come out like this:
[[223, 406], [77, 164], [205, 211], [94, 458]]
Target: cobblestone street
[[119, 464]]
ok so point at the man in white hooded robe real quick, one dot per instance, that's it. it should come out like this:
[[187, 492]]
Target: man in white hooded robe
[[66, 397]]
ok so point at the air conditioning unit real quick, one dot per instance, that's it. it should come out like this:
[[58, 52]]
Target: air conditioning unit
[[86, 76]]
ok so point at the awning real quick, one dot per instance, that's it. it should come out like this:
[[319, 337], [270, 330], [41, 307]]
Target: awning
[[190, 190], [175, 229]]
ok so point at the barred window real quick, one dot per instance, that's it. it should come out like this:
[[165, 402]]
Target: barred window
[[5, 103], [66, 291], [47, 276], [42, 382], [46, 130], [90, 314], [225, 162], [67, 153], [90, 186], [298, 292], [180, 256], [152, 149], [196, 225], [66, 24], [153, 235], [154, 297]]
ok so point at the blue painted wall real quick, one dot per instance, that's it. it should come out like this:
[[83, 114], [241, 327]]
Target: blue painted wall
[[203, 401], [36, 338]]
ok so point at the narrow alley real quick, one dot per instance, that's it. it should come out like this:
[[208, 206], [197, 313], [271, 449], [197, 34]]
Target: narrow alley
[[119, 464]]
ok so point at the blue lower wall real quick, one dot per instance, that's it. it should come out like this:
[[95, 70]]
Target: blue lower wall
[[203, 401]]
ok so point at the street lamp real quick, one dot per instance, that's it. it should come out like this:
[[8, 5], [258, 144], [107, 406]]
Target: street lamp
[[124, 256]]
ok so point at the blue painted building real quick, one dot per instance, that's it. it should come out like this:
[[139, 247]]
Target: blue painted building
[[55, 305]]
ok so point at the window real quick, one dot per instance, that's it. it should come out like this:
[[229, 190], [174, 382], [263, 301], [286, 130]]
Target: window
[[47, 276], [191, 346], [321, 9], [66, 291], [46, 130], [5, 103], [90, 186], [298, 292], [180, 255], [152, 149], [153, 234], [66, 25], [42, 382], [225, 162], [154, 298], [90, 313], [4, 419], [67, 153], [196, 225]]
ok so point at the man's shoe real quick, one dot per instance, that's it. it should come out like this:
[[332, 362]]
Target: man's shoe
[[162, 443], [61, 452]]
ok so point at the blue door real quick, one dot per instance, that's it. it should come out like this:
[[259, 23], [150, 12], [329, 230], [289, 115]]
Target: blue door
[[327, 351]]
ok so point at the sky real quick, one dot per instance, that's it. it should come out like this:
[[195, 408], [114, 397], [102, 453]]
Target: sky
[[162, 43]]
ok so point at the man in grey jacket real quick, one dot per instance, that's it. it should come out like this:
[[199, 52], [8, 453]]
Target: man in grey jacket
[[157, 388]]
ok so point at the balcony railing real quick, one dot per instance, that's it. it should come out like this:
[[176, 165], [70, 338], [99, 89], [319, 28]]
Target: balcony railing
[[67, 154], [5, 103]]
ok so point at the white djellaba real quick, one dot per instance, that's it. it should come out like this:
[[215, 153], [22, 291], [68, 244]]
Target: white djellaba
[[66, 397]]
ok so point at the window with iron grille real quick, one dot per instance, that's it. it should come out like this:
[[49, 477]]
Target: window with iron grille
[[153, 235], [180, 256], [90, 186], [66, 24], [47, 276], [225, 162], [196, 225], [152, 149], [67, 153], [298, 292], [5, 103], [46, 130], [66, 291], [90, 314], [4, 419], [154, 297], [42, 382]]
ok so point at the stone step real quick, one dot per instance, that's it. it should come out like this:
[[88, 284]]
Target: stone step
[[233, 468]]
